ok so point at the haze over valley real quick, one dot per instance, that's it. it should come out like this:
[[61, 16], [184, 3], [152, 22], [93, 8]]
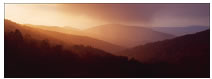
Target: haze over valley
[[107, 40]]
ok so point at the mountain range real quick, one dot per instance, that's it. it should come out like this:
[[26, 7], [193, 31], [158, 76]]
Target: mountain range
[[60, 37], [43, 51], [179, 31], [126, 36]]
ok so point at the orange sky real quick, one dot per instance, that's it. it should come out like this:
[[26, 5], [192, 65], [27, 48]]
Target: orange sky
[[84, 16], [44, 14]]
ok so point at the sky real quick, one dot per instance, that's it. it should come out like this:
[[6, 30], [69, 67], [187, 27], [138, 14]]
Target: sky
[[84, 16]]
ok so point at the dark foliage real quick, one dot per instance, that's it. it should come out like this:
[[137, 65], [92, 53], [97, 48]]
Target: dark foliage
[[26, 57]]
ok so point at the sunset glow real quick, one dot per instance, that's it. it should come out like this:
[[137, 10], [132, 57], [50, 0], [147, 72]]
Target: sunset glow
[[84, 16], [44, 14], [107, 40]]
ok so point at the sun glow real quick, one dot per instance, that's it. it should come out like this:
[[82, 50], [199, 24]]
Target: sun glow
[[51, 15]]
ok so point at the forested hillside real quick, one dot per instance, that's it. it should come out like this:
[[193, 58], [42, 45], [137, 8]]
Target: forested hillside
[[26, 57]]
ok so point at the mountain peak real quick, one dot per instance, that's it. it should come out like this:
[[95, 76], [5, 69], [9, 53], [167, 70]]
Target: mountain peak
[[125, 35]]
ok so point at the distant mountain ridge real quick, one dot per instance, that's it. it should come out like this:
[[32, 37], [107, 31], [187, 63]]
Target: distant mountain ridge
[[127, 36], [179, 31], [65, 29], [61, 38], [121, 35]]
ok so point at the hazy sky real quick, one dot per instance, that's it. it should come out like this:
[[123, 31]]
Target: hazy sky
[[88, 15]]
